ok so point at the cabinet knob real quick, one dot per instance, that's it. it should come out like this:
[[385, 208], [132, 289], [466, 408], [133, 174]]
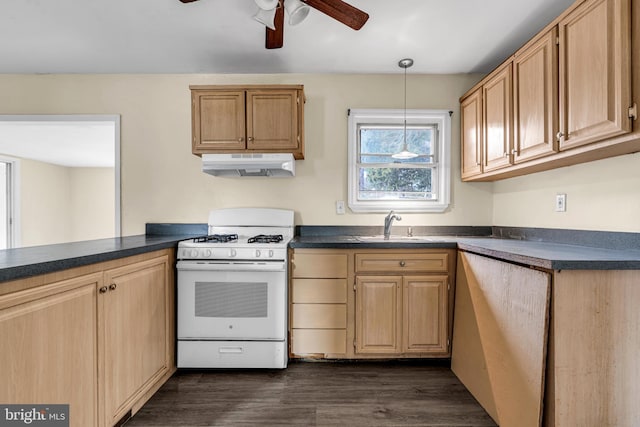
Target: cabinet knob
[[402, 263], [559, 135], [103, 289], [112, 287], [240, 139], [250, 139]]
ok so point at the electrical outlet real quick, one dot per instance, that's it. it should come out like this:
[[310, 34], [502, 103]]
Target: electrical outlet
[[340, 207], [561, 202]]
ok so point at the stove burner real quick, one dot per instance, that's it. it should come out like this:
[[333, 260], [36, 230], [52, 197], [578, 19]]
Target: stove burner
[[265, 238], [222, 238]]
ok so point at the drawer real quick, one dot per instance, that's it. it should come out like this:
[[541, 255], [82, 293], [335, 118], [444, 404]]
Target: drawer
[[399, 262], [321, 316], [319, 265], [318, 341], [319, 291]]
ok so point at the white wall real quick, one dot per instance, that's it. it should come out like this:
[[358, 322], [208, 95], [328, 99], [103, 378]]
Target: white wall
[[45, 196], [61, 204], [601, 195], [162, 181], [92, 203]]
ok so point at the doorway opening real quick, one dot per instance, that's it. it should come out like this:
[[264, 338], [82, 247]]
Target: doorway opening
[[59, 178]]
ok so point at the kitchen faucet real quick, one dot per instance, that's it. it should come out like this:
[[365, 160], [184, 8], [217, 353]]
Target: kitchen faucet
[[388, 221]]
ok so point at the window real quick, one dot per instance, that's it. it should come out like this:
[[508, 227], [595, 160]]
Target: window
[[8, 202], [378, 182]]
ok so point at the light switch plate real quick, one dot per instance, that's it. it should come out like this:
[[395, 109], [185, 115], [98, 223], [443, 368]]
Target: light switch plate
[[561, 202], [340, 207]]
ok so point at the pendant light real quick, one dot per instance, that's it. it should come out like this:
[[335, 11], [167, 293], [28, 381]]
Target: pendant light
[[405, 153]]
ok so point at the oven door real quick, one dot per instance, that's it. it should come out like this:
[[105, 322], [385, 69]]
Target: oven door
[[220, 300]]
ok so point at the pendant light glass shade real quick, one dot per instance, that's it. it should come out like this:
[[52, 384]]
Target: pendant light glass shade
[[405, 153], [297, 11], [267, 4], [266, 18]]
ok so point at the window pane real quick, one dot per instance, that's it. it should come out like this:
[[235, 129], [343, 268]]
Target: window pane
[[388, 140], [4, 197], [395, 184]]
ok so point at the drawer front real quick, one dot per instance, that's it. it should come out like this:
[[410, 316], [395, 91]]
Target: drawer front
[[318, 341], [319, 265], [378, 263], [323, 291], [321, 316]]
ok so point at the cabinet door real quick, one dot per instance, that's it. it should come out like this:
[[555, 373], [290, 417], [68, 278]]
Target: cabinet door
[[272, 120], [134, 320], [500, 331], [378, 314], [425, 314], [50, 355], [595, 91], [218, 120], [535, 81], [471, 133], [497, 111]]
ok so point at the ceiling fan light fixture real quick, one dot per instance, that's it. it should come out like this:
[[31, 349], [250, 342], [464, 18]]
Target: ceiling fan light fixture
[[267, 4], [297, 11], [266, 17], [405, 153]]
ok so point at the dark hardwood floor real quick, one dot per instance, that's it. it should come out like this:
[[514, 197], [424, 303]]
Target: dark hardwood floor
[[402, 393]]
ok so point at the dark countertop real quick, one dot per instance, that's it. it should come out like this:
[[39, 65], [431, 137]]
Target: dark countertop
[[31, 261], [548, 255]]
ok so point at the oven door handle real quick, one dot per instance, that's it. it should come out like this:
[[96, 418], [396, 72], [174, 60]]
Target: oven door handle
[[231, 265]]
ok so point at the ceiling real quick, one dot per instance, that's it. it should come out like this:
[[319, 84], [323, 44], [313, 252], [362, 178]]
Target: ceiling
[[69, 142], [220, 36]]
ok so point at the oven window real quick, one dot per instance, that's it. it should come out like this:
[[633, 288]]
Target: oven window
[[237, 299]]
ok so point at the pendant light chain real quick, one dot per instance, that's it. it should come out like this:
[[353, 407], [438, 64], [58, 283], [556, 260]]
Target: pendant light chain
[[405, 109], [405, 153]]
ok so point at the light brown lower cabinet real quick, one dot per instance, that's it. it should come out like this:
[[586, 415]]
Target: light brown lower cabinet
[[352, 304], [401, 314], [49, 353], [551, 348], [318, 303], [99, 338], [134, 315]]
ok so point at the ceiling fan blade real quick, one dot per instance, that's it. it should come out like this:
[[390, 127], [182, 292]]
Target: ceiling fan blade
[[275, 38], [340, 11], [187, 1]]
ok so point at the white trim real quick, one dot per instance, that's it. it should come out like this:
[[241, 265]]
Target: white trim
[[443, 152], [13, 207], [114, 118]]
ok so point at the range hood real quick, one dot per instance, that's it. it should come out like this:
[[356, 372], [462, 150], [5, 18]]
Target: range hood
[[254, 164]]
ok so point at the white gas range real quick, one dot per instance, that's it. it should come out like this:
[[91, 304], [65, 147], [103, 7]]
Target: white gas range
[[232, 291]]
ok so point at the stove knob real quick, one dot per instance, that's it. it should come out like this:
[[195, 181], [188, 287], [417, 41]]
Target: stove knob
[[207, 253], [270, 253], [194, 253], [232, 252], [257, 253]]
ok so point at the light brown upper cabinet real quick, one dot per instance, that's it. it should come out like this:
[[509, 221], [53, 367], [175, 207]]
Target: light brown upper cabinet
[[535, 110], [245, 119], [471, 123], [497, 118], [595, 92], [563, 98]]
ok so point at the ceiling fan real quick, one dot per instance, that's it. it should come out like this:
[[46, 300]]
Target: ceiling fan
[[336, 9]]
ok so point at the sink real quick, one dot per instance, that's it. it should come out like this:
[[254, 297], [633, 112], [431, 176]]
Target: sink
[[380, 238]]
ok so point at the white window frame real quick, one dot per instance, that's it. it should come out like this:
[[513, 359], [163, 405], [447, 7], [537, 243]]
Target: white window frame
[[442, 160], [13, 201]]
